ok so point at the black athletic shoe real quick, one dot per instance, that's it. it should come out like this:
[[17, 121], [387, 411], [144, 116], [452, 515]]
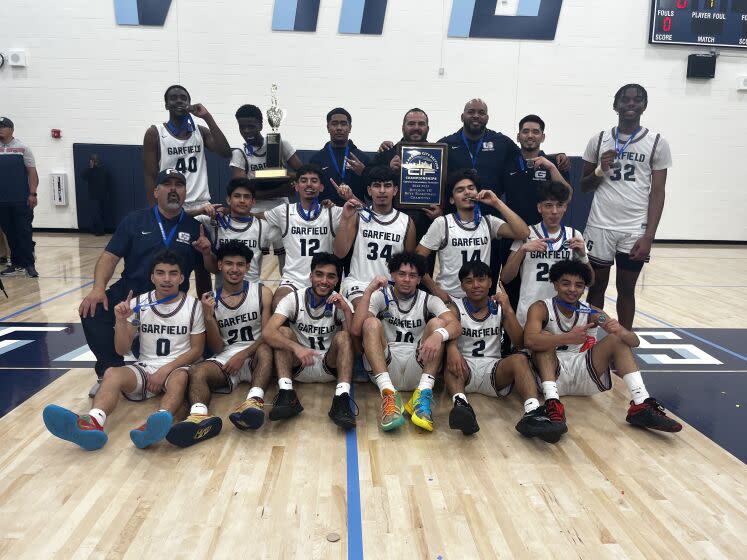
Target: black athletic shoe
[[462, 417], [13, 270], [285, 405], [194, 429], [538, 424], [342, 412], [650, 414]]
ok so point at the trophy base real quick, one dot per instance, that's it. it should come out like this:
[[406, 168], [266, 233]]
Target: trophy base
[[271, 173]]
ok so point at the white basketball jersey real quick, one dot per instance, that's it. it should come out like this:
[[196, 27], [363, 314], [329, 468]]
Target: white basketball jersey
[[621, 200], [480, 338], [303, 238], [404, 320], [535, 269], [375, 243], [313, 329], [251, 161], [457, 243], [557, 323], [241, 325], [188, 157], [253, 234], [165, 329]]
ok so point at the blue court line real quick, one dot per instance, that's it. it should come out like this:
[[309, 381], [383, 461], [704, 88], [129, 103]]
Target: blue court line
[[355, 529], [45, 301], [688, 333]]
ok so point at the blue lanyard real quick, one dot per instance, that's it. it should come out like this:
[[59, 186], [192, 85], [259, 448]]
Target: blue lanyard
[[492, 307], [244, 288], [225, 221], [362, 211], [314, 304], [333, 159], [313, 213], [547, 235], [167, 239], [582, 308], [187, 125], [477, 151], [248, 149], [476, 215], [620, 150], [139, 306]]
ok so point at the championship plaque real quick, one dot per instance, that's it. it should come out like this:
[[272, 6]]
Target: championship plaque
[[422, 179], [274, 167]]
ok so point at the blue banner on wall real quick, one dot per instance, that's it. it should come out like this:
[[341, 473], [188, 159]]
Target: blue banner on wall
[[534, 19], [141, 12]]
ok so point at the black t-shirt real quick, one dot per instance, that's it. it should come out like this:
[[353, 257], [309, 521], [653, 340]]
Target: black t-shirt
[[520, 187], [138, 238]]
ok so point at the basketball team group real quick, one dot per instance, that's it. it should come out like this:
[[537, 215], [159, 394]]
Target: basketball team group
[[490, 291]]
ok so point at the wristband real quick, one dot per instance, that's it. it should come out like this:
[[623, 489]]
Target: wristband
[[443, 332], [598, 171], [584, 259]]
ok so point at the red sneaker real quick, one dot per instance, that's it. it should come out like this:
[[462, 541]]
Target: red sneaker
[[650, 414]]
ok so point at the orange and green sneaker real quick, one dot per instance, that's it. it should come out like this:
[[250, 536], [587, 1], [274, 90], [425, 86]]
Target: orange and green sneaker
[[81, 430], [249, 415], [194, 429], [419, 408], [391, 410]]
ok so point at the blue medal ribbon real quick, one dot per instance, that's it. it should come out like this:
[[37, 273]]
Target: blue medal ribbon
[[333, 159], [219, 291], [313, 212], [547, 235], [327, 306], [248, 149], [473, 157], [136, 310], [167, 239], [187, 125], [492, 307], [225, 221], [620, 150], [582, 308]]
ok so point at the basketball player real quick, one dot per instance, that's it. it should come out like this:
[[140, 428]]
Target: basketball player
[[474, 363], [374, 233], [466, 234], [236, 224], [404, 330], [560, 332], [180, 144], [234, 317], [626, 168], [549, 242], [309, 332], [305, 228], [172, 336]]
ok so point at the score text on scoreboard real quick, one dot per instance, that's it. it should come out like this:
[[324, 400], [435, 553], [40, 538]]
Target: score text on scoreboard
[[714, 23]]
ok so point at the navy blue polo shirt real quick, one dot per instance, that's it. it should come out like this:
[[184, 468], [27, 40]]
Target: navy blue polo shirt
[[138, 238], [496, 153], [520, 187], [334, 170]]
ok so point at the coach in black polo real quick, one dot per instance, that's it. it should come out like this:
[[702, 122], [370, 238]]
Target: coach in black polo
[[138, 237]]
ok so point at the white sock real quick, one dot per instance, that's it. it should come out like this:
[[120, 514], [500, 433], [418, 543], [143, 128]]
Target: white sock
[[285, 383], [637, 389], [550, 390], [199, 408], [99, 415], [461, 396], [383, 381], [427, 381], [256, 393], [342, 388], [531, 404]]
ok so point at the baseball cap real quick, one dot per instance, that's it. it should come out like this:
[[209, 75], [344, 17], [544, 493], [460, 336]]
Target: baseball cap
[[5, 122], [166, 173]]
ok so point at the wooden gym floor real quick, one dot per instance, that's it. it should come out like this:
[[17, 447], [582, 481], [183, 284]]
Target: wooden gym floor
[[607, 490]]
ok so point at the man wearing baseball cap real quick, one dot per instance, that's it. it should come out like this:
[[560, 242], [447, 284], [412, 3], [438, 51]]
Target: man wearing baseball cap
[[17, 200], [140, 235]]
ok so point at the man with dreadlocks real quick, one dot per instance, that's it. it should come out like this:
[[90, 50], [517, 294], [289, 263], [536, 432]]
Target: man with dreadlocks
[[626, 168]]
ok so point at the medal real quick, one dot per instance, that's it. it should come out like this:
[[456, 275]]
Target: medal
[[313, 212], [618, 150]]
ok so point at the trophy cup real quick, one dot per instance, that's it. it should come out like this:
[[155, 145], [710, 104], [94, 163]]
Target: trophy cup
[[274, 167]]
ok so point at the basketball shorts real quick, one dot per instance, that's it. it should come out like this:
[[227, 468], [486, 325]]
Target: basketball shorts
[[402, 364], [142, 372], [603, 244], [576, 375], [232, 381], [318, 372], [352, 289], [482, 377]]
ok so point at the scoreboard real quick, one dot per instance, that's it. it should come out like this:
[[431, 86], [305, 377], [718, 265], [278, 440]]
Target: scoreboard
[[714, 23]]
